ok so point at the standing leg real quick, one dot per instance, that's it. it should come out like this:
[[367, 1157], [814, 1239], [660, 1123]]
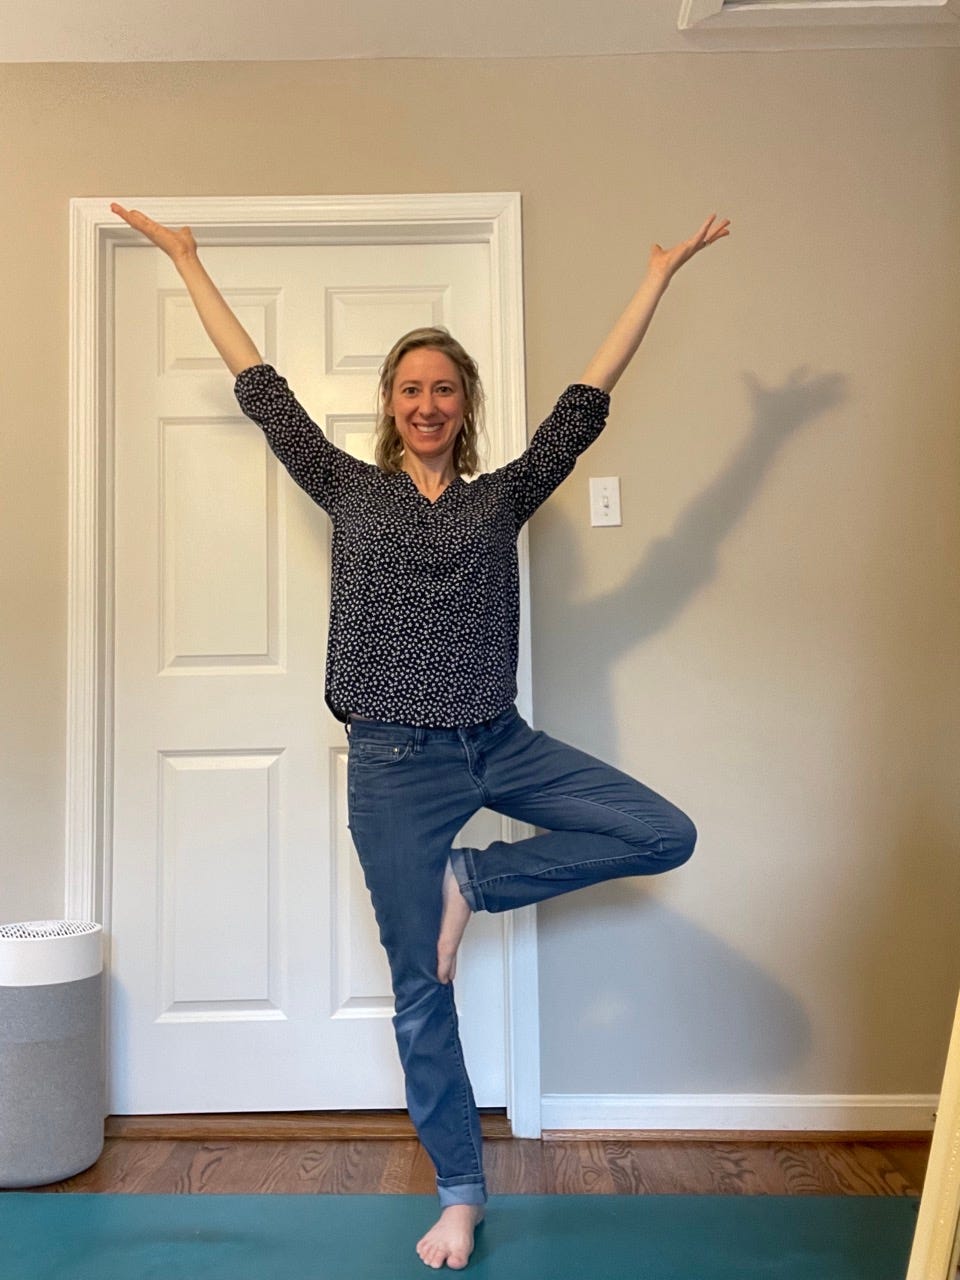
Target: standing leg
[[409, 793], [602, 824]]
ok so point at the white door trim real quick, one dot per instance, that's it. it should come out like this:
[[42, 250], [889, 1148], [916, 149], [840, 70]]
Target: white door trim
[[484, 217]]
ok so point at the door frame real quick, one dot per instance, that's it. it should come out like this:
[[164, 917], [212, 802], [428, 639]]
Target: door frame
[[491, 218]]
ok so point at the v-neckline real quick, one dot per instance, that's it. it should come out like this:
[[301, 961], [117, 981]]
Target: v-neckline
[[431, 502]]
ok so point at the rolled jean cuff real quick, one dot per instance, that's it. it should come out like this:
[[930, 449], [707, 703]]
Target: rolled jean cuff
[[471, 1191], [461, 860]]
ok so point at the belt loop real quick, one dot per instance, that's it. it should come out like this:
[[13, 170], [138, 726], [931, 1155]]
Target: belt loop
[[418, 735]]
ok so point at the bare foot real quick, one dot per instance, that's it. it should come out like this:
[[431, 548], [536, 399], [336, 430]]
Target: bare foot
[[453, 922], [450, 1240]]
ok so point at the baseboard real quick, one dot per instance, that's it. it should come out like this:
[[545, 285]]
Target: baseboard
[[673, 1116], [740, 1112]]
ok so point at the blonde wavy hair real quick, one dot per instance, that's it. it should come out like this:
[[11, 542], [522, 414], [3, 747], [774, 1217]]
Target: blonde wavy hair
[[389, 446]]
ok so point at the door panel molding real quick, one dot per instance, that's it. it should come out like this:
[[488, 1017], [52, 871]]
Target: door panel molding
[[491, 218]]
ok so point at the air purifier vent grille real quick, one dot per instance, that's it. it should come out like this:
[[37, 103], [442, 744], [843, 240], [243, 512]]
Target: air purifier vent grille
[[47, 929]]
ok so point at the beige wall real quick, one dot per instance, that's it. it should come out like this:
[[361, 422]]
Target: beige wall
[[770, 639]]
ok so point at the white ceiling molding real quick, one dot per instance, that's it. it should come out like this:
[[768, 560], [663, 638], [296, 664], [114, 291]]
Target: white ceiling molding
[[731, 15]]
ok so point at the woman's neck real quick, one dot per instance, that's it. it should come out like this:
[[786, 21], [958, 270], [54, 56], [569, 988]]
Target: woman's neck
[[431, 478]]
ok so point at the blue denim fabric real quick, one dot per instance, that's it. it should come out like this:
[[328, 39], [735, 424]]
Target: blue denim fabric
[[410, 791]]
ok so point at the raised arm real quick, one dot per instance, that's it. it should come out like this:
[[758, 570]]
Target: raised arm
[[226, 332], [620, 345]]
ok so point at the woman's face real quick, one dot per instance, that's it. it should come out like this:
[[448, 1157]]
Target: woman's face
[[427, 402]]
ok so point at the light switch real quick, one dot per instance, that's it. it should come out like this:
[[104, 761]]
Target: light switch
[[604, 500]]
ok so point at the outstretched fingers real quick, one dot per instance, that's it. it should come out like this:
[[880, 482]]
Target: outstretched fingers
[[174, 243], [667, 261], [720, 230], [139, 221], [707, 236]]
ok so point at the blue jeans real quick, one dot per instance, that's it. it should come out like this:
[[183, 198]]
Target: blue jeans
[[410, 791]]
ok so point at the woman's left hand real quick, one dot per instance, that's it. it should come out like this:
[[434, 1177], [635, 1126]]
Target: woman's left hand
[[665, 262], [619, 346]]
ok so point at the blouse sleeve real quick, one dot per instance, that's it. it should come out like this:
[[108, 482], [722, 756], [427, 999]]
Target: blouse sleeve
[[575, 421], [318, 466]]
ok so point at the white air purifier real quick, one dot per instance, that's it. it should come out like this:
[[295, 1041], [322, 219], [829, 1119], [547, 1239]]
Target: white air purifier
[[51, 1050]]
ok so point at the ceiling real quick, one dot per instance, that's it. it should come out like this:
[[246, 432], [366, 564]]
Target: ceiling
[[280, 30]]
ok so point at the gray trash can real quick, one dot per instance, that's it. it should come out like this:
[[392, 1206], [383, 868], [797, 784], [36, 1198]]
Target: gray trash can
[[51, 1050]]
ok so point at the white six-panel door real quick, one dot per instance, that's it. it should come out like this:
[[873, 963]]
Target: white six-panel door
[[247, 972]]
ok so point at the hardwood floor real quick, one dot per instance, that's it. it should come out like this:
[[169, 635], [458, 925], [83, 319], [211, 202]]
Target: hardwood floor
[[269, 1160]]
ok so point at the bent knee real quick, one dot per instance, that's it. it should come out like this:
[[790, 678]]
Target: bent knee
[[679, 840], [417, 995]]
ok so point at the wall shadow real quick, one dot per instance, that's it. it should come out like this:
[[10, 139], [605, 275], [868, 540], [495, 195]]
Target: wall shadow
[[675, 987], [671, 570], [651, 996]]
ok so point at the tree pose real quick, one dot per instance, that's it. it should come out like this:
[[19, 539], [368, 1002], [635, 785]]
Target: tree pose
[[421, 669]]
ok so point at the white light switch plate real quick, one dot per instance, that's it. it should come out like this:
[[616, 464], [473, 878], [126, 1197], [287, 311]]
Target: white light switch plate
[[604, 500]]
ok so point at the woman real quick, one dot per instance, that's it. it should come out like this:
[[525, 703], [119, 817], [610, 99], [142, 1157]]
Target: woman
[[421, 668]]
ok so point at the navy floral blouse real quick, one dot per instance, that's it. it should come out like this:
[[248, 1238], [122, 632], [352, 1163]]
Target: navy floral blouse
[[425, 602]]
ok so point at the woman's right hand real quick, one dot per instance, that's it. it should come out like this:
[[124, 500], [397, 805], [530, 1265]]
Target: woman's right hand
[[225, 331], [176, 244]]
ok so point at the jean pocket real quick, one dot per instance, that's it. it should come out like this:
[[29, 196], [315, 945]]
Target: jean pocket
[[378, 754]]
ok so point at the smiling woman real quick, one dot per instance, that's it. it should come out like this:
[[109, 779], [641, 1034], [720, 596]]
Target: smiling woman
[[422, 669]]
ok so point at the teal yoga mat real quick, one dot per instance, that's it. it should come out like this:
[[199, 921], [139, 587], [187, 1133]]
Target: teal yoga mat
[[324, 1237]]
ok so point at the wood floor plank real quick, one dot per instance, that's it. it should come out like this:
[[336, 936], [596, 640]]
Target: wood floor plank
[[863, 1170], [577, 1169], [731, 1169], [162, 1178], [591, 1166], [275, 1168], [803, 1170], [136, 1167], [629, 1173], [683, 1171], [514, 1168], [214, 1168], [396, 1167], [911, 1159], [840, 1169], [423, 1177]]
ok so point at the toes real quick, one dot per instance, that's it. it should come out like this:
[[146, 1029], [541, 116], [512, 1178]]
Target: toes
[[431, 1254]]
